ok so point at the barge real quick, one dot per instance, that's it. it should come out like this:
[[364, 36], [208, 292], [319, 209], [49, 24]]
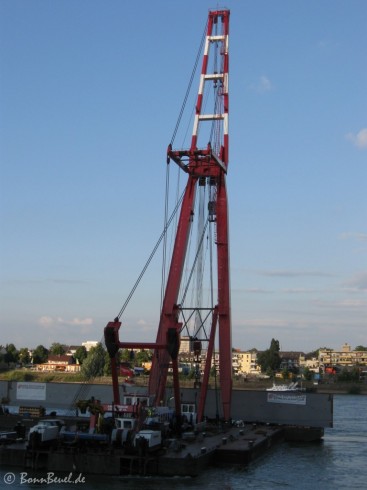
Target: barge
[[205, 427], [184, 457]]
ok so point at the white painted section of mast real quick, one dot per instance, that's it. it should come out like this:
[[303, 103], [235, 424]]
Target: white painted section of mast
[[196, 125], [225, 124], [214, 76], [217, 38], [210, 117], [206, 48], [225, 84], [226, 44], [201, 84]]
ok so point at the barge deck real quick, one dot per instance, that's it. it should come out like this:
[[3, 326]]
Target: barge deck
[[188, 456]]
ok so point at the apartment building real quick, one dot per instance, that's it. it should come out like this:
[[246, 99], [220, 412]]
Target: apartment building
[[346, 357], [245, 362]]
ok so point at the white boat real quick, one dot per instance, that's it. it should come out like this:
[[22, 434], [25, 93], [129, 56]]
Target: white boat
[[290, 387]]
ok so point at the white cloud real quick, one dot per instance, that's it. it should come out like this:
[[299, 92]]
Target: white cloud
[[328, 44], [361, 237], [272, 323], [358, 282], [359, 139], [292, 273], [343, 303], [48, 321], [262, 85], [255, 290], [78, 321]]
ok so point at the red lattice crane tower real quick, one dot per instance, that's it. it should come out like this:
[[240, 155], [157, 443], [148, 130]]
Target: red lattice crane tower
[[205, 165]]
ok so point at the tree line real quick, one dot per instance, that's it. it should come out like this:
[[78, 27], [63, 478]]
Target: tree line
[[95, 362], [9, 354]]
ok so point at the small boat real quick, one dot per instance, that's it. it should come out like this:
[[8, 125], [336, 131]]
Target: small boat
[[290, 387]]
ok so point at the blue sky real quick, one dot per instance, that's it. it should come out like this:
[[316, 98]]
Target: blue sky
[[90, 92]]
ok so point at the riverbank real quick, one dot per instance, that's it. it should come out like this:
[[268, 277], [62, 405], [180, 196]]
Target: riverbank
[[22, 375], [337, 388]]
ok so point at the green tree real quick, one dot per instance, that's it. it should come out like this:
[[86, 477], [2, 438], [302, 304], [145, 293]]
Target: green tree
[[348, 375], [24, 355], [40, 354], [313, 354], [81, 354], [361, 348], [269, 360], [11, 354], [142, 356], [126, 355], [307, 373], [94, 364], [191, 374], [107, 371], [56, 349], [212, 372]]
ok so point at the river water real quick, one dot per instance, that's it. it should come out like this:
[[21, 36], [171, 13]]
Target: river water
[[338, 462]]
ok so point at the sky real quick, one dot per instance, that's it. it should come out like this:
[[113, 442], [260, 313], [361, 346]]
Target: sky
[[90, 91]]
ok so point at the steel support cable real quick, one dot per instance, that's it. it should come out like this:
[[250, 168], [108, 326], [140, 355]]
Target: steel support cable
[[211, 264], [218, 105], [200, 287], [209, 246], [206, 95], [205, 256], [164, 256], [189, 247], [199, 265], [194, 263], [214, 138], [188, 90], [151, 256]]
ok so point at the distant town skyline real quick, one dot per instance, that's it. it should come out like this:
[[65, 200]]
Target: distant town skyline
[[92, 343], [89, 98]]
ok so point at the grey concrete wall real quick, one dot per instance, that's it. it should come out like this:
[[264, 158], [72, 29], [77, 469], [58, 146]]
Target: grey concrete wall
[[316, 409], [252, 406], [58, 395], [311, 409]]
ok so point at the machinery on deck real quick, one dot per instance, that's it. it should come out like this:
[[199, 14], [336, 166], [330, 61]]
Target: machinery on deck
[[205, 166]]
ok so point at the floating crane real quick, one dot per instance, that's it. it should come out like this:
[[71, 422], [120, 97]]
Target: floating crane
[[205, 166]]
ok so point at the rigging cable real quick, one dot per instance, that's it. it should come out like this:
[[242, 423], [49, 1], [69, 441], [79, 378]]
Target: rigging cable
[[164, 256], [198, 56], [194, 263], [150, 256], [188, 90]]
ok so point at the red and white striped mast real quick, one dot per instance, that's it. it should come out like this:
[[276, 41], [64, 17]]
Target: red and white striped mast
[[211, 163]]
